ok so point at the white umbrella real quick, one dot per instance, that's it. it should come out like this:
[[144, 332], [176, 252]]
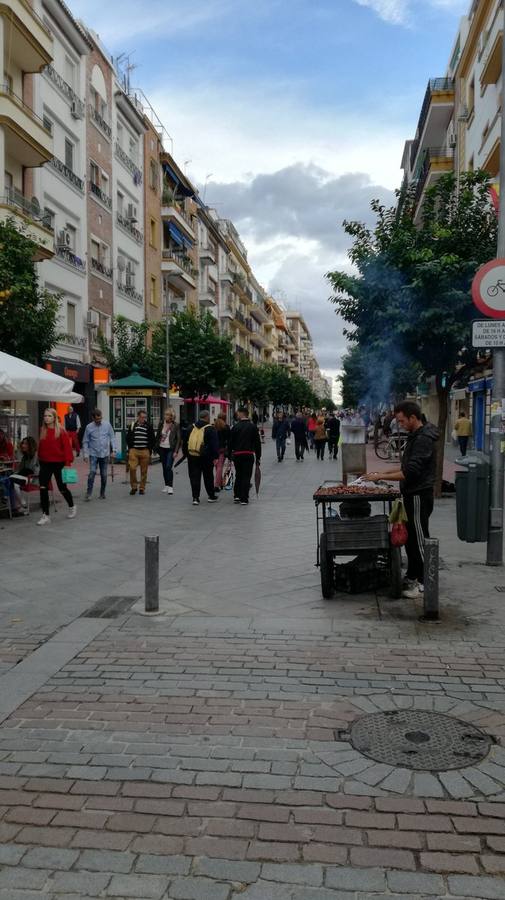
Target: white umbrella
[[20, 380]]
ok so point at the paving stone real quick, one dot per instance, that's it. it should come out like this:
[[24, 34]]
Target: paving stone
[[416, 883], [228, 870], [105, 861], [78, 882], [50, 858], [427, 785], [199, 889], [356, 879], [11, 878], [478, 888], [298, 874]]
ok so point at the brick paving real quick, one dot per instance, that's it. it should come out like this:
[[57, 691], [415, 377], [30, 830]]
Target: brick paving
[[206, 754]]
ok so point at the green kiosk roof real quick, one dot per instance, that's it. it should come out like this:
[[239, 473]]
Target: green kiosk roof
[[135, 380]]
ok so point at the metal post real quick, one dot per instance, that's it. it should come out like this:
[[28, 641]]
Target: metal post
[[152, 573], [431, 560], [167, 356], [495, 537]]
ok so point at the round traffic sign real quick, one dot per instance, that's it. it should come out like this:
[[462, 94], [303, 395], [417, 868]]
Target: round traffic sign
[[488, 289]]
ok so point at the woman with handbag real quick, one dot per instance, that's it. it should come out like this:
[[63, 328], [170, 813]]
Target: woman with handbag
[[168, 442], [55, 452]]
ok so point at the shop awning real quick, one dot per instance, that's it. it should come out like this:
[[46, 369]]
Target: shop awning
[[176, 234]]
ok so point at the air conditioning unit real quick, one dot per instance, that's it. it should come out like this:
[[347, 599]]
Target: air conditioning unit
[[63, 238], [132, 212], [452, 139], [93, 318], [75, 110]]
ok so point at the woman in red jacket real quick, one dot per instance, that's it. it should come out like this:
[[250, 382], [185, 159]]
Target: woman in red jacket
[[55, 452]]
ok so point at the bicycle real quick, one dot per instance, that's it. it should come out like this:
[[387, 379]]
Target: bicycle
[[391, 448], [493, 289]]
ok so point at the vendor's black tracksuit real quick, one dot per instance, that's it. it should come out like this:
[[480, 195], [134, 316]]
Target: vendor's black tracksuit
[[245, 444], [418, 465]]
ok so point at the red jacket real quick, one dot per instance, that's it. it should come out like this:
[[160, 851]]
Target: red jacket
[[56, 449]]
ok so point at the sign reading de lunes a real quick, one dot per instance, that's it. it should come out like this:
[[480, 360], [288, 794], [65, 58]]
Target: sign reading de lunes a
[[488, 289], [488, 334]]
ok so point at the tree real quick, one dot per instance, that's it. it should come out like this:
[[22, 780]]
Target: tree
[[249, 381], [410, 304], [201, 360], [127, 349], [28, 315]]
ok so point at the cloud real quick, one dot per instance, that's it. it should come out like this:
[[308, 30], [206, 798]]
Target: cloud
[[156, 19], [402, 12]]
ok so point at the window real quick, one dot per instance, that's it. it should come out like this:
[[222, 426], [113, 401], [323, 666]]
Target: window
[[70, 318], [48, 125], [471, 96], [154, 292], [152, 233], [120, 202], [105, 183], [470, 165], [70, 72], [8, 82], [134, 150], [95, 250], [130, 274], [120, 134], [69, 154], [8, 182], [72, 232], [153, 175], [94, 173], [49, 218]]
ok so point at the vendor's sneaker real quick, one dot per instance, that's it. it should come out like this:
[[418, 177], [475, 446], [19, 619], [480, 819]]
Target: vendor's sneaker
[[170, 490], [44, 520], [72, 512], [412, 593]]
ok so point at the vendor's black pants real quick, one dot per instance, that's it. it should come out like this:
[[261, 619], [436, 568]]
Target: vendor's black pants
[[419, 508], [244, 464]]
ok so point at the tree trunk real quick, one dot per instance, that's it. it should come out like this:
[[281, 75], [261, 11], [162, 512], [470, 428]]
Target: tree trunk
[[443, 405]]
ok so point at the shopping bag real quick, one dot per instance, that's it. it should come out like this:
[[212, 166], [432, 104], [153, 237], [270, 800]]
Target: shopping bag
[[397, 513], [399, 534], [69, 475], [228, 479]]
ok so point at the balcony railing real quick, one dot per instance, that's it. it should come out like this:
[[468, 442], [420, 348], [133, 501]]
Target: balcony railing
[[129, 291], [128, 226], [17, 200], [67, 173], [102, 196], [435, 85], [67, 255], [129, 164], [98, 266], [6, 89], [430, 155], [183, 261], [100, 121], [240, 317], [68, 92], [167, 199], [248, 324], [73, 340]]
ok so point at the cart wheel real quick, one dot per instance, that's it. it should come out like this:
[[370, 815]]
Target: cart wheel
[[396, 573], [326, 568], [383, 450]]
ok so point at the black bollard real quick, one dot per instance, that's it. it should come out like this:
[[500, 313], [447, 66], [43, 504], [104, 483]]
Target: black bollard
[[152, 571]]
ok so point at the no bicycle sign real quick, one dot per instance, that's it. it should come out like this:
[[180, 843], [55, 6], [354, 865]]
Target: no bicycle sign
[[488, 289]]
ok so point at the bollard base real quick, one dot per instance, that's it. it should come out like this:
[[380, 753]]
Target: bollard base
[[429, 617]]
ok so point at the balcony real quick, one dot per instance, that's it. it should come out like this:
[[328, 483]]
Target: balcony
[[100, 195], [436, 162], [73, 340], [127, 225], [241, 351], [100, 122], [27, 215], [66, 255], [27, 140], [29, 40], [227, 312], [208, 297], [129, 164], [178, 269], [67, 174], [128, 290], [178, 215], [259, 312], [227, 276], [77, 106], [101, 269], [240, 317], [207, 255], [436, 113]]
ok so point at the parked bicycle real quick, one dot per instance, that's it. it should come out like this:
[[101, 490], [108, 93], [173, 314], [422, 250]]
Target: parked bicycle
[[392, 447]]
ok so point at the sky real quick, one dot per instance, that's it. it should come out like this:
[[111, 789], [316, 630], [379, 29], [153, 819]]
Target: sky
[[289, 116]]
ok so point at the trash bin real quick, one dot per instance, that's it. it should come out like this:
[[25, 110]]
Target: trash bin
[[472, 497], [353, 448]]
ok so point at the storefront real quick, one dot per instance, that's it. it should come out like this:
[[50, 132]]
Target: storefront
[[480, 392], [82, 376]]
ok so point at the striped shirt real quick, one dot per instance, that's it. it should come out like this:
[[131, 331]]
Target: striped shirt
[[140, 441]]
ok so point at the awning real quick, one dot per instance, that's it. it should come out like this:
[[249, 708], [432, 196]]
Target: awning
[[181, 188], [175, 234]]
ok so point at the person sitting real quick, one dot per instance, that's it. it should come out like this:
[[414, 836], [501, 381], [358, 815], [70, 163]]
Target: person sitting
[[6, 447], [28, 467]]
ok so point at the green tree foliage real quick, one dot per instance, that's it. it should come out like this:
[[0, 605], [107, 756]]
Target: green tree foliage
[[28, 315], [249, 382], [127, 349], [409, 306], [201, 360]]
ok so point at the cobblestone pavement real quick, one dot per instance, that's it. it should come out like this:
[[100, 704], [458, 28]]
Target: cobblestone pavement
[[207, 753]]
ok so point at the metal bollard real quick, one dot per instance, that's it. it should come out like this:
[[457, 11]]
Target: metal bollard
[[152, 564], [431, 559]]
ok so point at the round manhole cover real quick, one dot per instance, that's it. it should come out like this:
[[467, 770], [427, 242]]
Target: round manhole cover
[[418, 739]]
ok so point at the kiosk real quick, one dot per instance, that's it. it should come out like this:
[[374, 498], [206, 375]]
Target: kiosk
[[127, 396]]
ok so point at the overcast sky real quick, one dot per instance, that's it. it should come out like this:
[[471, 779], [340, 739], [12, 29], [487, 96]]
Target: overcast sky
[[290, 116]]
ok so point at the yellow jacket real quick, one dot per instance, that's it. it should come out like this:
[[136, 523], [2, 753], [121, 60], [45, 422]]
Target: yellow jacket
[[463, 427]]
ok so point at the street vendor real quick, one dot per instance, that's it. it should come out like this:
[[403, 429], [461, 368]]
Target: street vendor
[[417, 481]]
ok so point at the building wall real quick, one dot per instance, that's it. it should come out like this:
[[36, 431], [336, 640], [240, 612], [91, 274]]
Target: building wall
[[153, 235]]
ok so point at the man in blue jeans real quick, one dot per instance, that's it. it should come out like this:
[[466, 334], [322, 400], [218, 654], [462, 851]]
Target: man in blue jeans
[[98, 445]]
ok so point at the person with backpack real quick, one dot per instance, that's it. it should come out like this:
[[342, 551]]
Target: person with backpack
[[203, 449]]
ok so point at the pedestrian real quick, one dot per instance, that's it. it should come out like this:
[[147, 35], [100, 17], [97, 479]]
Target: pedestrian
[[28, 467], [280, 433], [72, 427], [333, 432], [320, 437], [223, 438], [55, 452], [168, 442], [140, 440], [463, 429], [311, 427], [417, 480], [245, 445], [255, 418], [6, 447], [203, 449], [300, 434], [99, 445]]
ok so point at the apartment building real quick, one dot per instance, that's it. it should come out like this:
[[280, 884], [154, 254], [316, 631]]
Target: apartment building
[[259, 337], [234, 273], [153, 229], [26, 46], [179, 249], [209, 242]]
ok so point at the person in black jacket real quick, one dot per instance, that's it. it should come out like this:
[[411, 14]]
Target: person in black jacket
[[300, 433], [202, 450], [140, 440], [417, 480], [245, 445], [281, 430], [333, 431]]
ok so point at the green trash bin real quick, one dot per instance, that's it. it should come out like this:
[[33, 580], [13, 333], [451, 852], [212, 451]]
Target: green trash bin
[[472, 497]]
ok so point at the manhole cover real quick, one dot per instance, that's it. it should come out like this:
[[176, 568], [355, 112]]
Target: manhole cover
[[418, 739], [109, 608]]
